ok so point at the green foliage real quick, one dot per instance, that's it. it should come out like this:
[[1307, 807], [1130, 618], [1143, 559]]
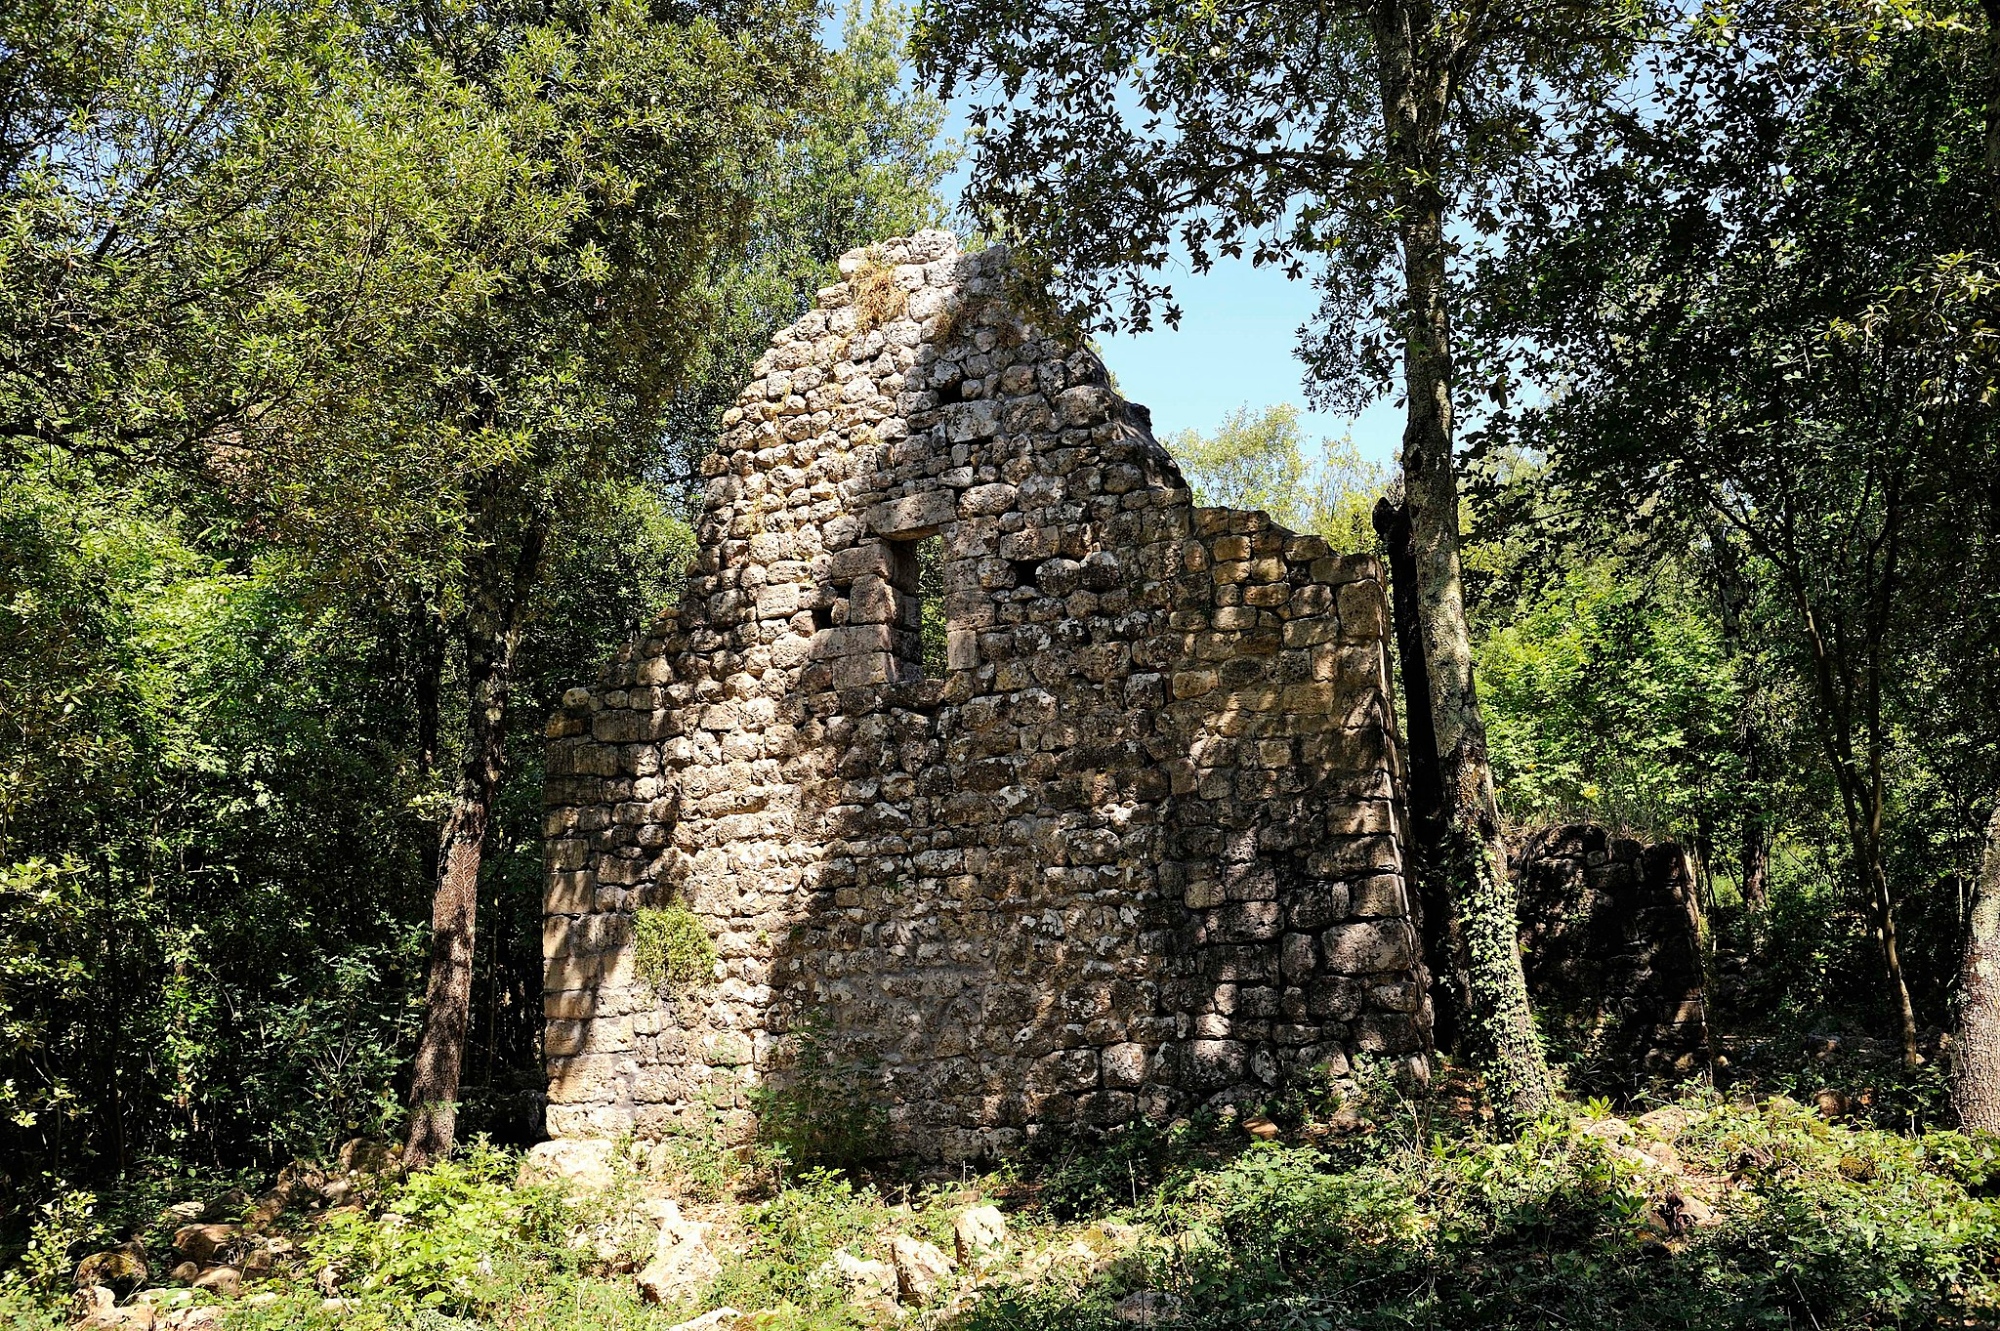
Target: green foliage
[[1610, 698], [193, 760], [934, 632], [1261, 462], [1753, 313], [453, 1237], [63, 1230], [867, 164], [793, 1235], [1833, 1226], [814, 1109], [1194, 134], [309, 311], [1083, 1177], [671, 947]]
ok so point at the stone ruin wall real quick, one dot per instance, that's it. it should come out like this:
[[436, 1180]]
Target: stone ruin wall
[[1136, 848], [1610, 935]]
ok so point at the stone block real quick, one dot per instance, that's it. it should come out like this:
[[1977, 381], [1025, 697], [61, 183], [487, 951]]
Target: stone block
[[916, 515], [1368, 947], [1217, 1062]]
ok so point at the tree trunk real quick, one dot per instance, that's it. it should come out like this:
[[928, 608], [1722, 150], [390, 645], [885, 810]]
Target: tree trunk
[[491, 635], [1975, 1060], [1442, 949], [1416, 93], [1756, 856]]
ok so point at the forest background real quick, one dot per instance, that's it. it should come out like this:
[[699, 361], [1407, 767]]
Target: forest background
[[355, 364]]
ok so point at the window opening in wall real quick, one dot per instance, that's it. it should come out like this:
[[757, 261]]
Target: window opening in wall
[[930, 605], [917, 572]]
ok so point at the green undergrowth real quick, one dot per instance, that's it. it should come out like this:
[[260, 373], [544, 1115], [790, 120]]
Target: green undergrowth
[[1703, 1214]]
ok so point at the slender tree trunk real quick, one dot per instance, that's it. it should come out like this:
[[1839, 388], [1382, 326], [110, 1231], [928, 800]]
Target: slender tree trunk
[[491, 635], [1975, 1060], [1442, 948], [1861, 803], [1756, 856], [1416, 94], [1754, 850]]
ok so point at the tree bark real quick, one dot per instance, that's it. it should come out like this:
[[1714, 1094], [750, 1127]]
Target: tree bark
[[1414, 64], [1756, 856], [1975, 1060], [491, 636], [1442, 949], [1861, 799]]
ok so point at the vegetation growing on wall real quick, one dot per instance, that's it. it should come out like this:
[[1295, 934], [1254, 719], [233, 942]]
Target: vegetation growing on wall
[[671, 947]]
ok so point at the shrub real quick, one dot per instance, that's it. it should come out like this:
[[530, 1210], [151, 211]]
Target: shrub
[[814, 1111], [457, 1237], [671, 949]]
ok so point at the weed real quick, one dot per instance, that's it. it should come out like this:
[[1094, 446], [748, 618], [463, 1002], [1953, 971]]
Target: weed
[[671, 948], [67, 1225], [876, 296], [813, 1111]]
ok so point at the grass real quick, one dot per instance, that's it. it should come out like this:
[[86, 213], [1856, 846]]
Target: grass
[[1399, 1213]]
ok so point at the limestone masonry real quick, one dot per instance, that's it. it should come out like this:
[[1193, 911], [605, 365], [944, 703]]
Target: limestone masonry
[[1133, 845]]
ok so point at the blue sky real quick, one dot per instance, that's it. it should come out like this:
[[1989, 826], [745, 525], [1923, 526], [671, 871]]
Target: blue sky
[[1237, 345]]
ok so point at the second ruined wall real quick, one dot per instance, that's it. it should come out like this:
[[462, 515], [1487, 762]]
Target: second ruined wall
[[1135, 847]]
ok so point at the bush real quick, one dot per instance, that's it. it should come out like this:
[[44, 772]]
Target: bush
[[458, 1237], [670, 948]]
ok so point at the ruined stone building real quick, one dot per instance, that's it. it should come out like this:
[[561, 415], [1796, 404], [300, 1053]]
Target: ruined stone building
[[1132, 845]]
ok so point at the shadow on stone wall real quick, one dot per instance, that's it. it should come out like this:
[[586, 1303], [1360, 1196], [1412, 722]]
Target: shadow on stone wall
[[1137, 848], [1611, 942]]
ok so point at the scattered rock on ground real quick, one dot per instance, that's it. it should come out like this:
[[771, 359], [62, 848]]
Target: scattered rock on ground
[[1666, 1122], [200, 1243], [121, 1269], [585, 1165], [1607, 1129], [229, 1205], [921, 1268], [96, 1309], [863, 1279], [682, 1260], [222, 1281], [979, 1233], [364, 1156], [1698, 1214], [182, 1213], [87, 1302], [1146, 1307], [709, 1321], [1263, 1129]]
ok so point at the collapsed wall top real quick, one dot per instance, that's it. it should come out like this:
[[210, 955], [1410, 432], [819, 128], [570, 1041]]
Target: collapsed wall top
[[1127, 839]]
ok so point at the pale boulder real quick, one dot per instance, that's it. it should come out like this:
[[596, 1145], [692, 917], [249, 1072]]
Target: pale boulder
[[921, 1268], [979, 1234], [683, 1262], [583, 1165]]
